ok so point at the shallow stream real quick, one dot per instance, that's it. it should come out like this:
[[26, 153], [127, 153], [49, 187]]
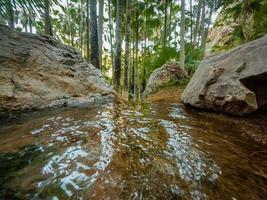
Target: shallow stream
[[125, 151]]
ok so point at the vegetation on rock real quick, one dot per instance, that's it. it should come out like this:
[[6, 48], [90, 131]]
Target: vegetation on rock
[[238, 22]]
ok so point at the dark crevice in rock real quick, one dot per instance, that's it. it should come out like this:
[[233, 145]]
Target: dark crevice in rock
[[258, 85], [238, 77]]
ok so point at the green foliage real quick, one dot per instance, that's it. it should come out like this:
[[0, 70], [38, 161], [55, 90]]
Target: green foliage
[[260, 19], [159, 58], [158, 27], [247, 18], [178, 83], [9, 7], [191, 67], [241, 10], [164, 55]]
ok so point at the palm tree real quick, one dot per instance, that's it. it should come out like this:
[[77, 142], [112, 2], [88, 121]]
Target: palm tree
[[93, 35], [9, 8]]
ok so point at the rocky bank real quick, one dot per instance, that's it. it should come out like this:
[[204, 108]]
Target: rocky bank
[[234, 82], [237, 23], [38, 72]]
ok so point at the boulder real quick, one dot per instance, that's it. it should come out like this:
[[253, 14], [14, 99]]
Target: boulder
[[232, 28], [38, 72], [170, 72], [234, 82]]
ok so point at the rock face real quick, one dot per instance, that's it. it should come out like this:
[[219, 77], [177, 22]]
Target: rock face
[[238, 22], [38, 72], [234, 82], [167, 73], [220, 36]]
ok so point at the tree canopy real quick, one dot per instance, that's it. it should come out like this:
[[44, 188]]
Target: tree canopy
[[127, 39]]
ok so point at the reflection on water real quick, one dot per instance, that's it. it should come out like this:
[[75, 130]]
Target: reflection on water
[[117, 151]]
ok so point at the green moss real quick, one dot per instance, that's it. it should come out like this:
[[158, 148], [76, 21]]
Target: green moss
[[178, 83], [218, 48]]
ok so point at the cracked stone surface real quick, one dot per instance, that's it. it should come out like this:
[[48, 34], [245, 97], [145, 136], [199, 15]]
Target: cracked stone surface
[[38, 72], [234, 82], [170, 71]]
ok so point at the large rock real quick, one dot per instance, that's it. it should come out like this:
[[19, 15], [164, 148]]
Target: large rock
[[170, 72], [238, 22], [220, 36], [38, 72], [234, 82]]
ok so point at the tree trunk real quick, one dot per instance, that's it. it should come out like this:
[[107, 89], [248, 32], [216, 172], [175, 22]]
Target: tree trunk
[[11, 20], [117, 61], [182, 34], [47, 20], [197, 23], [110, 38], [26, 21], [136, 94], [30, 22], [100, 30], [191, 25], [127, 45], [132, 71], [145, 52], [30, 26], [170, 24], [203, 30], [70, 25], [165, 23], [210, 16], [129, 73], [144, 66], [93, 35], [87, 29], [81, 27], [206, 31]]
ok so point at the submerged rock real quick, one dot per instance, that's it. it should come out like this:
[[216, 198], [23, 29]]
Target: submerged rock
[[170, 72], [234, 82], [38, 72]]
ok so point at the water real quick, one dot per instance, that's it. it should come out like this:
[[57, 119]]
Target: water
[[144, 151]]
